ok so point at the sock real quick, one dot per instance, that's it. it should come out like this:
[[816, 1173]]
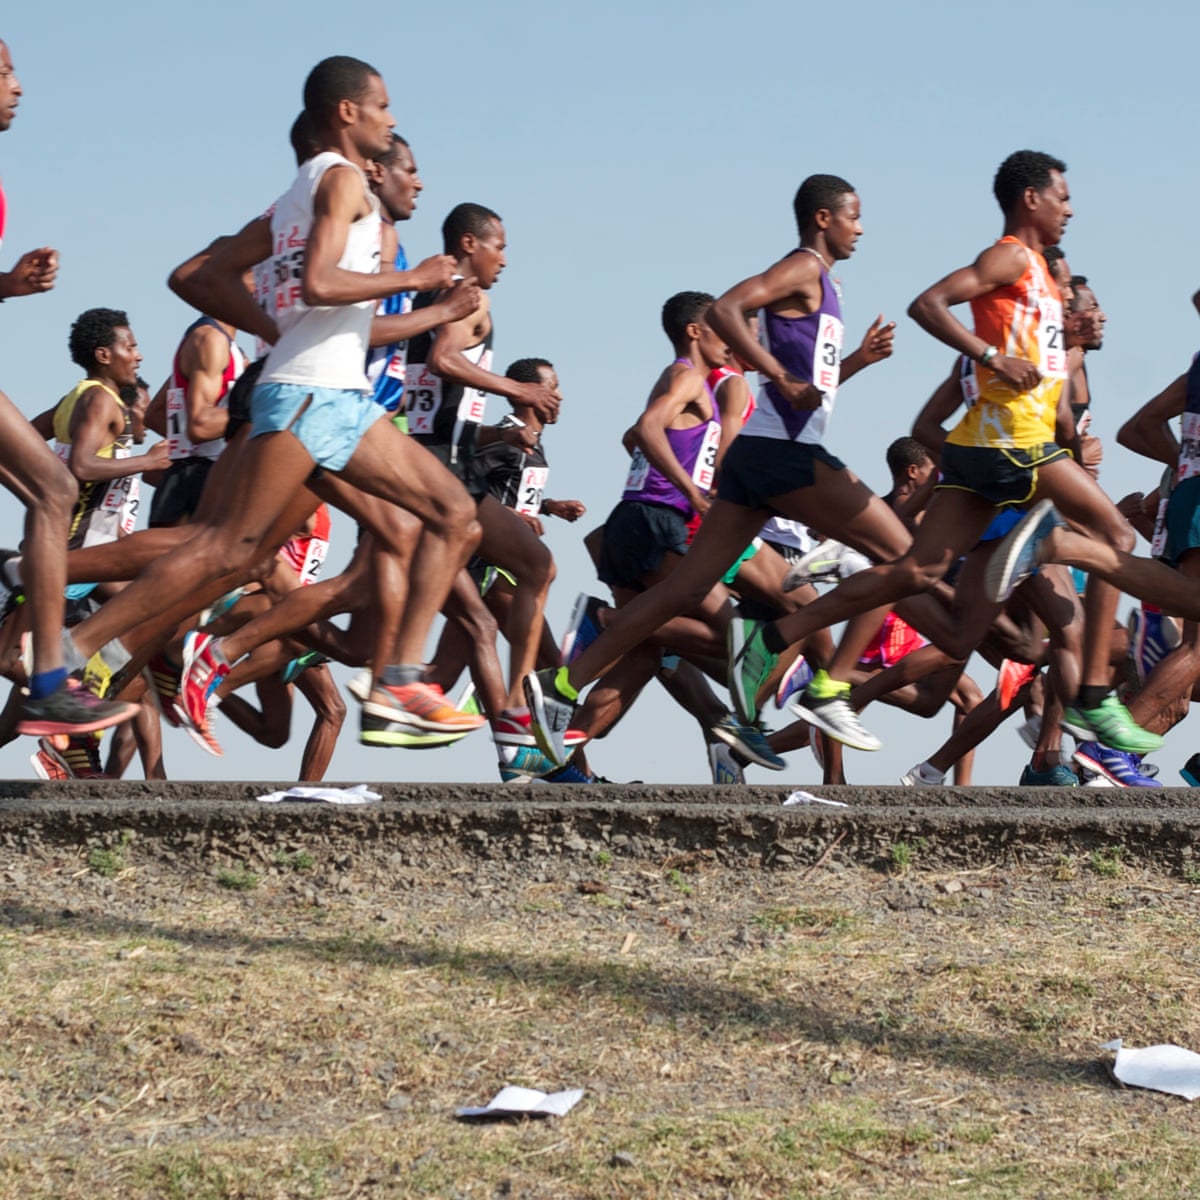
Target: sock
[[563, 685], [10, 570], [930, 774], [114, 655], [398, 674], [824, 688], [1091, 696], [43, 684], [73, 657], [772, 640]]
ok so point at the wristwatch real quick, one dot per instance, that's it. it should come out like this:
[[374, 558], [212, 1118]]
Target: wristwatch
[[988, 354]]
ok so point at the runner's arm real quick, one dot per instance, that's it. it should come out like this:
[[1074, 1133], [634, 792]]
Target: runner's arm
[[203, 361], [1148, 432], [93, 425], [684, 388]]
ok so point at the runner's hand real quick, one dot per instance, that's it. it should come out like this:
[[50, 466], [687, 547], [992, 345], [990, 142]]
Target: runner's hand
[[877, 342], [533, 523], [566, 510], [1018, 373], [541, 399], [519, 436], [462, 299], [156, 458], [434, 273], [799, 393], [35, 272]]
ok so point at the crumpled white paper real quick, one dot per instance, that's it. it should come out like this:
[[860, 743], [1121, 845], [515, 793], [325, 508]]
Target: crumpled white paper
[[1170, 1069], [359, 794], [524, 1102], [799, 797]]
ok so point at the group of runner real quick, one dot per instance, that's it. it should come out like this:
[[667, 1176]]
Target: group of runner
[[368, 394]]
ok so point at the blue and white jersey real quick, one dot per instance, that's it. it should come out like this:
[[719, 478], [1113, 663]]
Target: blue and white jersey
[[386, 364]]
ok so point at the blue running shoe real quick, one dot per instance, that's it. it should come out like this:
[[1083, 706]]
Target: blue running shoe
[[568, 774], [584, 627], [1191, 771], [528, 764], [1152, 636], [795, 679], [1016, 558], [1057, 776], [748, 741], [725, 768], [1117, 766]]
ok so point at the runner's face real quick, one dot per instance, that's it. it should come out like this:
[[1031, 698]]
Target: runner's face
[[400, 185], [845, 227], [373, 128], [487, 257], [123, 358], [10, 89], [1053, 210], [1085, 322], [712, 349]]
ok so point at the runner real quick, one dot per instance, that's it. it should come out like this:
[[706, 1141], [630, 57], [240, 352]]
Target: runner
[[777, 464], [33, 474]]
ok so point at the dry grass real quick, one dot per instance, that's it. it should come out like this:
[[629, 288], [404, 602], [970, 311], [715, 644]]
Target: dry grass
[[739, 1034]]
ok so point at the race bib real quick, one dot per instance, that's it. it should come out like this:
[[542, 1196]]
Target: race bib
[[397, 367], [531, 491], [472, 406], [1189, 447], [422, 397], [705, 470], [1052, 347], [827, 353], [314, 560], [639, 468]]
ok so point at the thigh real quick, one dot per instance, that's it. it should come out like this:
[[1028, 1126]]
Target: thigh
[[508, 542]]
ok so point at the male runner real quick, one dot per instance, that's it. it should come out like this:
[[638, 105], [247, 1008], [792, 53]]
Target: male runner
[[29, 469], [777, 464], [312, 408]]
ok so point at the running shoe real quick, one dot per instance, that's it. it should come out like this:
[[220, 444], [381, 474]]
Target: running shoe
[[1191, 771], [825, 704], [569, 774], [360, 685], [47, 762], [1012, 678], [750, 662], [219, 607], [204, 667], [584, 627], [1152, 636], [381, 731], [725, 768], [514, 727], [297, 666], [528, 764], [827, 562], [550, 713], [1030, 733], [70, 708], [795, 679], [163, 676], [1110, 723], [1015, 559], [1057, 776], [1117, 766], [423, 705], [923, 775], [748, 741]]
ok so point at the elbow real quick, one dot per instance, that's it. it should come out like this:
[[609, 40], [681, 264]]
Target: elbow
[[1128, 438], [918, 309], [316, 292]]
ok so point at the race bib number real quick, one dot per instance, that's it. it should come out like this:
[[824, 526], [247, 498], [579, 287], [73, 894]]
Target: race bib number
[[1189, 447], [1052, 346], [178, 443], [1158, 543], [532, 489], [639, 469], [827, 353], [472, 406], [422, 398], [314, 560], [705, 470]]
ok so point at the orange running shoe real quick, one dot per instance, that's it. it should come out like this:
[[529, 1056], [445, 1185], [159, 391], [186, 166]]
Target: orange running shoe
[[1012, 678], [423, 705]]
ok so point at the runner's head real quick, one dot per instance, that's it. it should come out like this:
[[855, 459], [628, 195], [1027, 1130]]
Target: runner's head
[[474, 236], [303, 137], [102, 344], [536, 370], [397, 183], [10, 88], [827, 208], [909, 462], [1060, 272], [1031, 189], [685, 322], [1085, 318], [345, 96]]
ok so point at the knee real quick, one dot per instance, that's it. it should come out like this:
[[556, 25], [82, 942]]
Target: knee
[[58, 493]]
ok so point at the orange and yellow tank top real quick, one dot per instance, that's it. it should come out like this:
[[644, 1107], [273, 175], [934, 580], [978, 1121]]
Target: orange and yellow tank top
[[1024, 320]]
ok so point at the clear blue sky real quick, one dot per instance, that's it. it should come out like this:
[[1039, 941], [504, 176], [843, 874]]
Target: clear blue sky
[[634, 150]]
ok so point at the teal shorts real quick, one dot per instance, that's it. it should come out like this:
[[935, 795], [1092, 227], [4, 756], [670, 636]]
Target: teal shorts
[[328, 422]]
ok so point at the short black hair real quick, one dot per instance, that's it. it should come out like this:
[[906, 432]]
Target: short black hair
[[467, 218], [906, 452], [1021, 170], [333, 80], [389, 156], [303, 136], [528, 370], [1077, 282], [681, 310], [818, 192], [93, 330]]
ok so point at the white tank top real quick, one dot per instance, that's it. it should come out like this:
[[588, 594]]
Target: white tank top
[[325, 346]]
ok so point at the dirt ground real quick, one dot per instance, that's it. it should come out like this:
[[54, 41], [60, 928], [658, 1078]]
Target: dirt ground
[[205, 997]]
